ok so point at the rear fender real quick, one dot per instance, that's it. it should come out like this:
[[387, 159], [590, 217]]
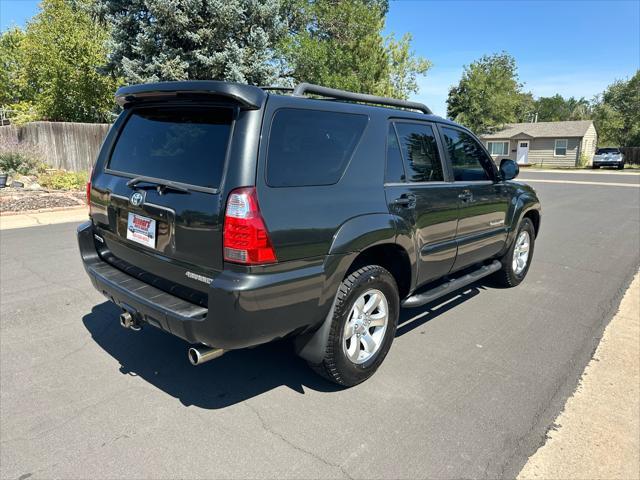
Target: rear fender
[[365, 231], [354, 236]]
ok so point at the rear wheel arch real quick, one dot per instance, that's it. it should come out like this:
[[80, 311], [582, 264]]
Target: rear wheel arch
[[392, 257], [366, 240]]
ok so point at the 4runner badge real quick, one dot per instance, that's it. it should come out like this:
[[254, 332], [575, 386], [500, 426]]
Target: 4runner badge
[[137, 199]]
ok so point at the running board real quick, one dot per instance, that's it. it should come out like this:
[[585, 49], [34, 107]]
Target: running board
[[451, 286]]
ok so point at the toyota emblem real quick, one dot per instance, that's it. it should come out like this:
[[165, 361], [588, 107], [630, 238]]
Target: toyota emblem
[[137, 199]]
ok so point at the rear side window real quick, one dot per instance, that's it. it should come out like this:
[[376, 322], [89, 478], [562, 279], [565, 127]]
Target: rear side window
[[395, 169], [311, 147], [604, 151], [182, 144], [467, 156], [420, 151]]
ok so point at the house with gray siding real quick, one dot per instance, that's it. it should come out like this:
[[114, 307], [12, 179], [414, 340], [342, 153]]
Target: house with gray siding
[[557, 144]]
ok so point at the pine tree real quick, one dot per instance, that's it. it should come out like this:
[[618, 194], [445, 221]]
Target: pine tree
[[157, 40]]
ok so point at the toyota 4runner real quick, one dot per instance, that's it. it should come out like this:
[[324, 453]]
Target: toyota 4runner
[[231, 215]]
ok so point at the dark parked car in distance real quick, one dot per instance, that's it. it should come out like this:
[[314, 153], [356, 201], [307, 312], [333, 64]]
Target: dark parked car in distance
[[231, 215]]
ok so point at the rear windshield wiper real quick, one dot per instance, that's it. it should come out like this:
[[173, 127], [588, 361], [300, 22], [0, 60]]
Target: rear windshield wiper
[[160, 184]]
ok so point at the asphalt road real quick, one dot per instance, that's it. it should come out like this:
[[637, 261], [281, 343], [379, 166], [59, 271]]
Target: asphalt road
[[468, 390]]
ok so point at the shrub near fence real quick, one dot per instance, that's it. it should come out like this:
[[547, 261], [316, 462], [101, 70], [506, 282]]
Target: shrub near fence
[[68, 146], [631, 155]]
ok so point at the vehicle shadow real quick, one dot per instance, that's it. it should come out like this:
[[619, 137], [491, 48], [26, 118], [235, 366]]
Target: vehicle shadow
[[161, 359], [412, 318]]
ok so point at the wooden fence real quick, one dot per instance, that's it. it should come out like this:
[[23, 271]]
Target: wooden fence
[[70, 146], [75, 146], [631, 155]]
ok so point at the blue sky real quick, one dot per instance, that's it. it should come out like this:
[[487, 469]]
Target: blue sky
[[574, 48]]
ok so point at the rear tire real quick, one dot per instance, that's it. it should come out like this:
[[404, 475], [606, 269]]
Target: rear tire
[[358, 341], [515, 264], [595, 167], [621, 166]]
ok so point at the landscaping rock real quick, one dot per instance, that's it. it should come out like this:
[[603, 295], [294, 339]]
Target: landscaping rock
[[27, 199]]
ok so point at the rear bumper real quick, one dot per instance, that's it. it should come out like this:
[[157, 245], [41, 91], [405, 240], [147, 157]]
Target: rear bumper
[[607, 163], [243, 309]]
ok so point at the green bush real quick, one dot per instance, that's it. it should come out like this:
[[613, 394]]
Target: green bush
[[584, 160], [63, 180], [18, 158]]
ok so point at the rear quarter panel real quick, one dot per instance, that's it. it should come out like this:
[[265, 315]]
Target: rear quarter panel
[[303, 221]]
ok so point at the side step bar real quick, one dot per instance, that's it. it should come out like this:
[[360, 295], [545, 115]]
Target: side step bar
[[450, 286]]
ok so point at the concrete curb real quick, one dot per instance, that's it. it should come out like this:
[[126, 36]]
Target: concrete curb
[[43, 210], [597, 436], [49, 216]]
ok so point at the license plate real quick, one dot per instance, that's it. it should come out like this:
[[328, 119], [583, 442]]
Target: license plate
[[141, 230]]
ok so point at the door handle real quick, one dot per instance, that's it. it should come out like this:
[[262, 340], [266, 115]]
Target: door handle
[[408, 201], [466, 196]]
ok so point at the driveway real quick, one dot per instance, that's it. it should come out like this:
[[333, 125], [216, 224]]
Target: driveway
[[469, 389]]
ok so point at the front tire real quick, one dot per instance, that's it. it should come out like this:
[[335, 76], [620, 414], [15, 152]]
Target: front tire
[[516, 262], [363, 325]]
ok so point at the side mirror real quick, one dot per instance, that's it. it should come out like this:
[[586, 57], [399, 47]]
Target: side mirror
[[509, 169]]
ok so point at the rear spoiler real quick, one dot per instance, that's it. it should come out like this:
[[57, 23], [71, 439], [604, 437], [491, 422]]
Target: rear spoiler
[[248, 96]]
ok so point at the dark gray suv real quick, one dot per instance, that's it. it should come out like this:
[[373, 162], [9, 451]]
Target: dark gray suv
[[231, 215]]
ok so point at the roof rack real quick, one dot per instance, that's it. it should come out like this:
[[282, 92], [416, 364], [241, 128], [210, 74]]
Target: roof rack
[[277, 89], [305, 88]]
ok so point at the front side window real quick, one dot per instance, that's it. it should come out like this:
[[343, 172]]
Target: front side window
[[468, 159], [560, 148], [498, 148], [311, 147], [182, 144], [420, 152]]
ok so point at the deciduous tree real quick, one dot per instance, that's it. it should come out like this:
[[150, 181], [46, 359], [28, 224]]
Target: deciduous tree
[[557, 109], [53, 65], [10, 64], [488, 95], [617, 113], [339, 44]]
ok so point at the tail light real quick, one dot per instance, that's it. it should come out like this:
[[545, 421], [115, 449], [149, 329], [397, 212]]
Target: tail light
[[89, 187], [246, 239]]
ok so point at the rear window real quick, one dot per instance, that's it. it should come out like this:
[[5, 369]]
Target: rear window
[[311, 147], [604, 151], [182, 144]]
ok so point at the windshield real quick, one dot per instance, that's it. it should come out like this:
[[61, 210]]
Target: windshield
[[181, 144], [604, 151]]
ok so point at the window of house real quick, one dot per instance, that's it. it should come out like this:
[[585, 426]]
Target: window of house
[[420, 152], [498, 148], [560, 147]]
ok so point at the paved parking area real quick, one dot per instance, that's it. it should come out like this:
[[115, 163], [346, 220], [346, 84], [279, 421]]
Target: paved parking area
[[469, 389]]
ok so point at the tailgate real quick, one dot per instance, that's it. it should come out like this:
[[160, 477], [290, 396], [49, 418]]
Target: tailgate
[[155, 198]]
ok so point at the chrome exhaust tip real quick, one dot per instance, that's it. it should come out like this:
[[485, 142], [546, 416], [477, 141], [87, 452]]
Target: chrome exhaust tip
[[200, 355], [127, 320]]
